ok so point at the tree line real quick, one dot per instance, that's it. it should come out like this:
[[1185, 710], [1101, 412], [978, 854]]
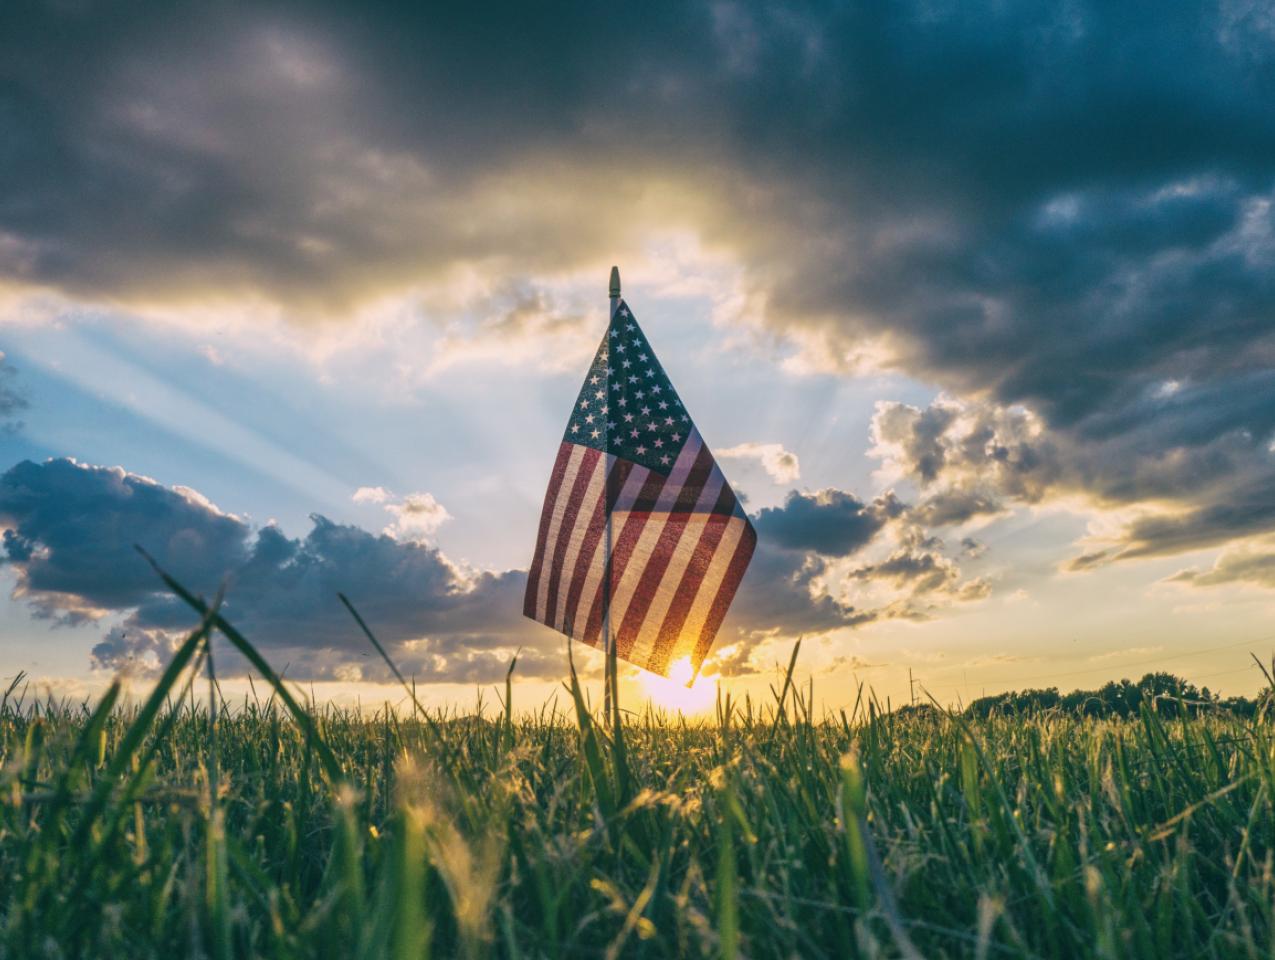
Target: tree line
[[1166, 693]]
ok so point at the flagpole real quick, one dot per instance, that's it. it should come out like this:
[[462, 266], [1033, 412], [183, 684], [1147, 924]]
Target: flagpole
[[608, 642]]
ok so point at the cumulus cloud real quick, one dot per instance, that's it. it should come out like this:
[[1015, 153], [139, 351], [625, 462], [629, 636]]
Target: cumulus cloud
[[804, 577], [977, 588], [925, 572], [69, 535], [1251, 563], [966, 456], [133, 651], [417, 516], [781, 465], [69, 531], [1180, 486], [733, 660], [830, 522], [785, 592], [924, 578], [954, 506]]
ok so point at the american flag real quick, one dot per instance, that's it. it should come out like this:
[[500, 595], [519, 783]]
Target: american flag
[[679, 539]]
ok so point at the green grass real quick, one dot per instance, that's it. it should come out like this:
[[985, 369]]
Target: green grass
[[770, 832]]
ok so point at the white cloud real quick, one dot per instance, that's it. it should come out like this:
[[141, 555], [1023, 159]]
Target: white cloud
[[212, 355], [417, 516], [780, 464]]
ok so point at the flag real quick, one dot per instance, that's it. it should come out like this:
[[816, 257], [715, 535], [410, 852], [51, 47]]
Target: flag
[[679, 538]]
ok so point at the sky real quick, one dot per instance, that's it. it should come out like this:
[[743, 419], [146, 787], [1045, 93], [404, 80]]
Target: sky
[[975, 304]]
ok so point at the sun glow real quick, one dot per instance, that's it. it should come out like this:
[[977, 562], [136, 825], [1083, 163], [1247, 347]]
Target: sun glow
[[672, 692]]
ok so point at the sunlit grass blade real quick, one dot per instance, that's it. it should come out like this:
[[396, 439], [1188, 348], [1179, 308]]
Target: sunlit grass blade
[[329, 761]]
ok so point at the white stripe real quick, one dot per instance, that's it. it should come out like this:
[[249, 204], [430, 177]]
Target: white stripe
[[584, 607], [696, 523], [651, 530], [592, 494], [711, 585], [555, 522]]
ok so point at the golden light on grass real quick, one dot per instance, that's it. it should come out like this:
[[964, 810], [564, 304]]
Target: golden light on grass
[[672, 692]]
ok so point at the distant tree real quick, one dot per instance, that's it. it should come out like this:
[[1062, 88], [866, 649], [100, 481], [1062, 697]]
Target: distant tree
[[1022, 701], [1163, 692], [924, 710]]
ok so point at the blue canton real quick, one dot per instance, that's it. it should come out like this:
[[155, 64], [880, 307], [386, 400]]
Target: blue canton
[[627, 406]]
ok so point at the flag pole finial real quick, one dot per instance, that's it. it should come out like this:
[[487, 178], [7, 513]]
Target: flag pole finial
[[615, 282]]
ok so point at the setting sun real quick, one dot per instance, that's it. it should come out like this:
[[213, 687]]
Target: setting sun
[[673, 693]]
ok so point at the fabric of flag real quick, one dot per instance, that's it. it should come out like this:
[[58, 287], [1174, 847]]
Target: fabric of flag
[[680, 540]]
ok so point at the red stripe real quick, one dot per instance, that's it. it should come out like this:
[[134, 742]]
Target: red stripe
[[593, 626], [546, 514], [696, 569], [620, 470], [730, 583], [663, 551], [622, 545], [648, 498], [587, 464]]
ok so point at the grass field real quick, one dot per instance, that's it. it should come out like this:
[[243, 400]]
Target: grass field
[[272, 829]]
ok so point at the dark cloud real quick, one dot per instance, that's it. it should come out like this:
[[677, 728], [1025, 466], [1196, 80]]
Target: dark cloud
[[1250, 563], [791, 587], [69, 535], [1061, 214], [12, 400], [922, 573], [1199, 480], [69, 531], [733, 661], [782, 593], [1245, 507], [955, 506], [794, 585], [968, 457], [829, 522], [133, 651], [309, 154]]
